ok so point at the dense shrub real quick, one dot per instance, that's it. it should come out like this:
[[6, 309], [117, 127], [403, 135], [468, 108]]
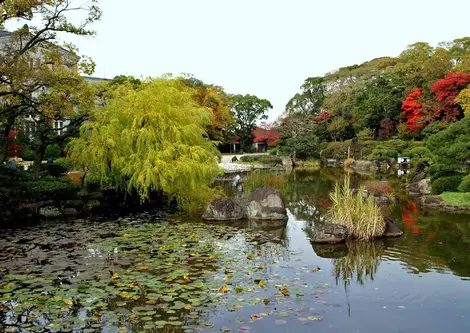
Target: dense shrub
[[273, 151], [437, 171], [52, 188], [383, 154], [465, 184], [336, 150], [53, 169], [53, 151], [446, 184], [261, 159]]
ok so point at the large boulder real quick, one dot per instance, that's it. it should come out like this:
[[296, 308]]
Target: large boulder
[[287, 163], [224, 209], [265, 204], [329, 233], [391, 229], [424, 186]]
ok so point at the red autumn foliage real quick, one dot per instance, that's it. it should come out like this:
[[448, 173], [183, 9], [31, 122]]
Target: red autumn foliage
[[446, 91], [387, 127], [325, 115], [14, 148], [271, 136], [409, 219], [413, 110]]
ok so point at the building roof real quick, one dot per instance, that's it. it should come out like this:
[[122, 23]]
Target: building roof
[[4, 33]]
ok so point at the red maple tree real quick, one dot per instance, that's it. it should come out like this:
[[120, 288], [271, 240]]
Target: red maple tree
[[446, 91], [325, 115], [269, 136], [13, 147], [413, 110]]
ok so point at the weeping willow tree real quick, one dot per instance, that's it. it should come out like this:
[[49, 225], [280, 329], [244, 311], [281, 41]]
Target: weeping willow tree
[[150, 138]]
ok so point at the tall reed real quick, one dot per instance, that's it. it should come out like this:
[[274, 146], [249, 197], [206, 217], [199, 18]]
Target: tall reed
[[361, 215]]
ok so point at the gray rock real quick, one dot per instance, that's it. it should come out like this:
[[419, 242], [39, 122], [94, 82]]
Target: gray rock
[[49, 212], [329, 233], [391, 229], [266, 204], [69, 212], [224, 209], [419, 177], [330, 251], [287, 163], [234, 159], [424, 186], [432, 201]]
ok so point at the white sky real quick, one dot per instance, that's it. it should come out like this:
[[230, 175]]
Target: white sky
[[263, 47]]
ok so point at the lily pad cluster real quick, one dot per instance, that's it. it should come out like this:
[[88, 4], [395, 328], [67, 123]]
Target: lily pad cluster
[[166, 276]]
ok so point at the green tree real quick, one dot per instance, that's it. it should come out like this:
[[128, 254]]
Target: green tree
[[310, 101], [151, 139], [247, 110], [297, 137], [39, 77], [451, 146]]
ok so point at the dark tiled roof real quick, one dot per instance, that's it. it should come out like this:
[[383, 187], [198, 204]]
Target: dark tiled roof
[[4, 33]]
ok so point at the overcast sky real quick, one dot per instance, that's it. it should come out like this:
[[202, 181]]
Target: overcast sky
[[263, 47]]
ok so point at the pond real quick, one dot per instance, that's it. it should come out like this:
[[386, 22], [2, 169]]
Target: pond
[[148, 273]]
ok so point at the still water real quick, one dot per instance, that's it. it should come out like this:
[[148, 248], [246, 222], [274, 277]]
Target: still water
[[151, 274]]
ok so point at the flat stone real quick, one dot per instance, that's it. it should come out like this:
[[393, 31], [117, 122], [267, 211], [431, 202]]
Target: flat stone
[[224, 209], [328, 233]]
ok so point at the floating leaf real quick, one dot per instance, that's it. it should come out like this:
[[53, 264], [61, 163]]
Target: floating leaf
[[261, 283], [115, 276], [285, 292], [224, 289]]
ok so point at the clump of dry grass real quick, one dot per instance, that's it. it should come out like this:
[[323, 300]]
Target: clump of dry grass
[[361, 215], [379, 188]]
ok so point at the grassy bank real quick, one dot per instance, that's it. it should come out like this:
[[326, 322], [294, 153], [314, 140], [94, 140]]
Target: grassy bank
[[457, 198]]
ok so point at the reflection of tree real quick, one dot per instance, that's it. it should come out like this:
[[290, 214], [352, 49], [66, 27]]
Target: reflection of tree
[[361, 262]]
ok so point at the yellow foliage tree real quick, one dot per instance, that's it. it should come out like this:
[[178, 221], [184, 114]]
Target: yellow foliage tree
[[151, 139]]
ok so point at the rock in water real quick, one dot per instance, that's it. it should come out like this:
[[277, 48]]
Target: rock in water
[[234, 159], [391, 229], [329, 233], [224, 209], [266, 204]]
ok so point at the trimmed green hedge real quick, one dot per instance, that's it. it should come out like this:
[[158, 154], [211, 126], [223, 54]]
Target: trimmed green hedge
[[446, 184], [465, 184], [261, 159]]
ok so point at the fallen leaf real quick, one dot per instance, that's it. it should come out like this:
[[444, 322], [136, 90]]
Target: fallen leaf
[[261, 283], [223, 289], [255, 317], [261, 267], [115, 276], [67, 301], [266, 301], [141, 268], [285, 292]]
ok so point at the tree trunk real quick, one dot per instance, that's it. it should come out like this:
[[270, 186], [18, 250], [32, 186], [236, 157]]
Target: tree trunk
[[38, 157]]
